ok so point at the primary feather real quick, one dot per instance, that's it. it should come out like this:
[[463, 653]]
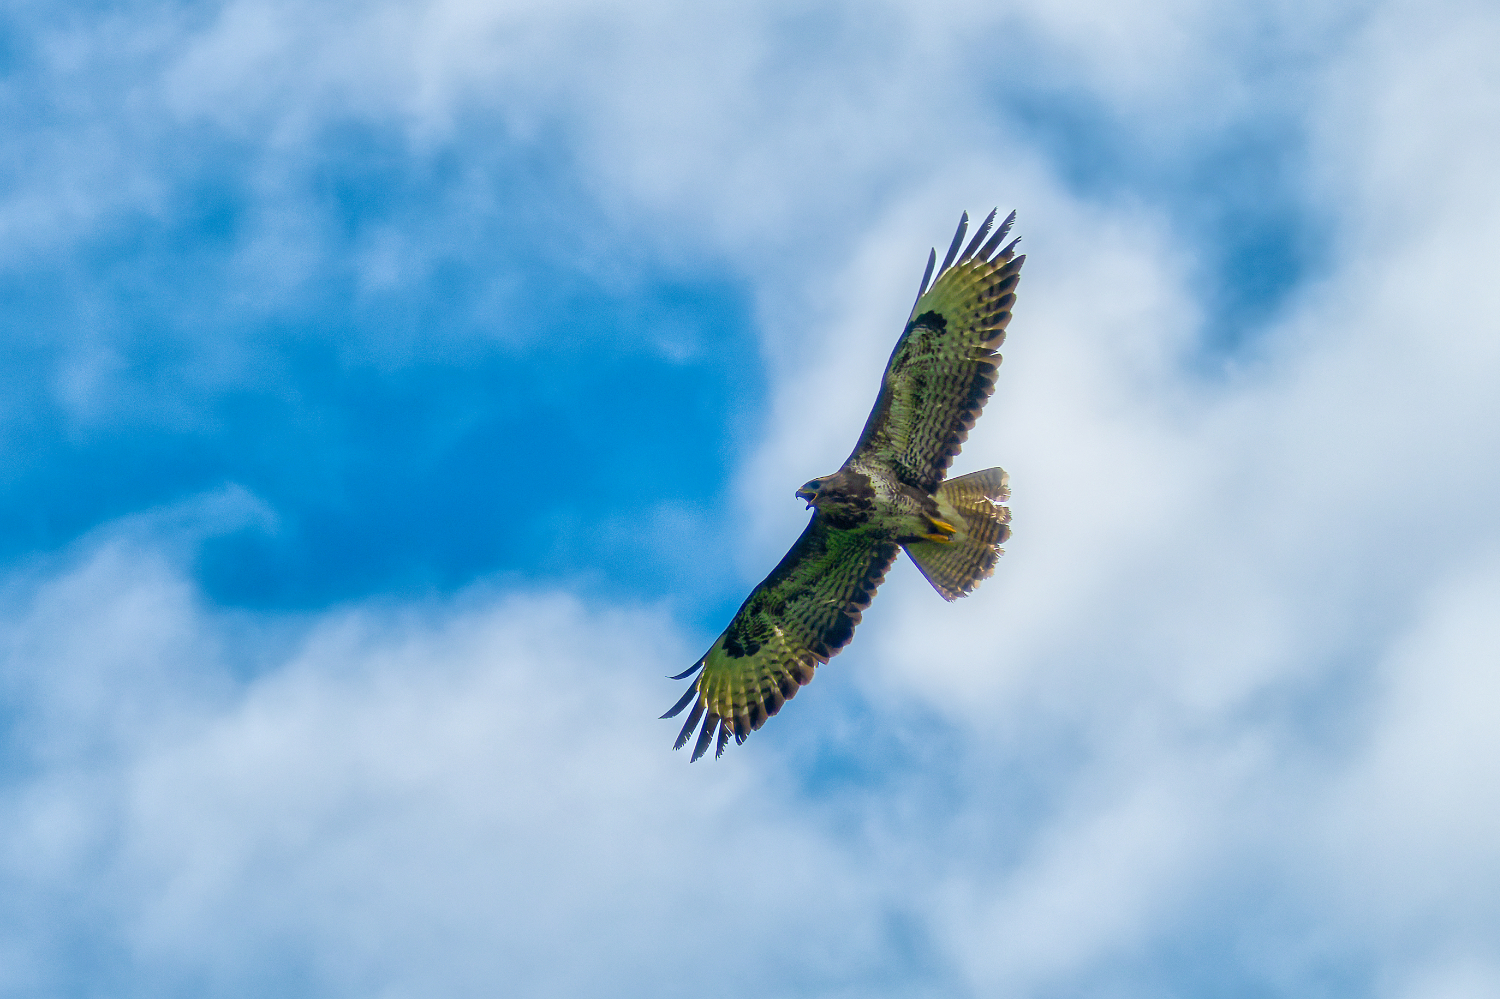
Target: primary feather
[[890, 494]]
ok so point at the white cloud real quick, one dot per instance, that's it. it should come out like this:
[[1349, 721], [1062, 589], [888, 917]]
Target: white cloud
[[1242, 635], [1215, 584], [1417, 815], [413, 799], [754, 133]]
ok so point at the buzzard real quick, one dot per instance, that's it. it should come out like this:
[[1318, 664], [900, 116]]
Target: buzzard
[[890, 495]]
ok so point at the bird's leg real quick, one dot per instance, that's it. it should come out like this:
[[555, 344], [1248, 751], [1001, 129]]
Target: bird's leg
[[942, 531]]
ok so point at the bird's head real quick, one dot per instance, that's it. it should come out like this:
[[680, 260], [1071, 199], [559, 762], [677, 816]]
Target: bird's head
[[809, 491]]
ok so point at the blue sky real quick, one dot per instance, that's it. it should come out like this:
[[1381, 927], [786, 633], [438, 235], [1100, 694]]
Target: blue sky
[[396, 392]]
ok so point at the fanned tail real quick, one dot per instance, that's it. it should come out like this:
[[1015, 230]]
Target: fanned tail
[[972, 503]]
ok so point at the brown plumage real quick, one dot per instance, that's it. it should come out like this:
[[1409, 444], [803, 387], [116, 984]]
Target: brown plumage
[[890, 494]]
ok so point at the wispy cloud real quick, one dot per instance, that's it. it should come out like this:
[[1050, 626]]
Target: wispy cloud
[[1218, 724]]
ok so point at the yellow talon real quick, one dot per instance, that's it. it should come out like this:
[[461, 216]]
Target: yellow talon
[[942, 531]]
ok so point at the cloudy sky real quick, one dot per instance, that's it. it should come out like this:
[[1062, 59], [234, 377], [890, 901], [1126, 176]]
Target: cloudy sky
[[395, 392]]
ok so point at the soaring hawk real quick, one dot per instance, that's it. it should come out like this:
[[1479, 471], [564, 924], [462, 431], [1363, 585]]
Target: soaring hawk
[[889, 495]]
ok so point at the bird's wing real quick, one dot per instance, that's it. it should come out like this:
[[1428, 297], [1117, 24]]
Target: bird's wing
[[801, 615], [943, 368]]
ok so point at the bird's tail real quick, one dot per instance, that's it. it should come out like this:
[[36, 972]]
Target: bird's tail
[[970, 503]]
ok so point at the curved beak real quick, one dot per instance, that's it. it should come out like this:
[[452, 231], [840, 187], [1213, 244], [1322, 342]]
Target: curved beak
[[807, 494]]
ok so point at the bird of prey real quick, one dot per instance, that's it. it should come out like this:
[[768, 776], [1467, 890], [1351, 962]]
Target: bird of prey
[[890, 495]]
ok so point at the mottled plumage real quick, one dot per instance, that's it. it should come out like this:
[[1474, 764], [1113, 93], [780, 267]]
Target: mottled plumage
[[890, 494]]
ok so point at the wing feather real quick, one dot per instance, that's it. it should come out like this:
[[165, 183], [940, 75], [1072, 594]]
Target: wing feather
[[800, 616], [984, 227], [958, 240], [935, 385], [988, 249], [926, 277], [692, 720], [942, 370]]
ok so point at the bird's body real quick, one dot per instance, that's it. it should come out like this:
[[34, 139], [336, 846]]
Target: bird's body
[[889, 495]]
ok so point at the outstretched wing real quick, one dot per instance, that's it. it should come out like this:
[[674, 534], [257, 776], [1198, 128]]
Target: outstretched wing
[[943, 368], [800, 616]]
